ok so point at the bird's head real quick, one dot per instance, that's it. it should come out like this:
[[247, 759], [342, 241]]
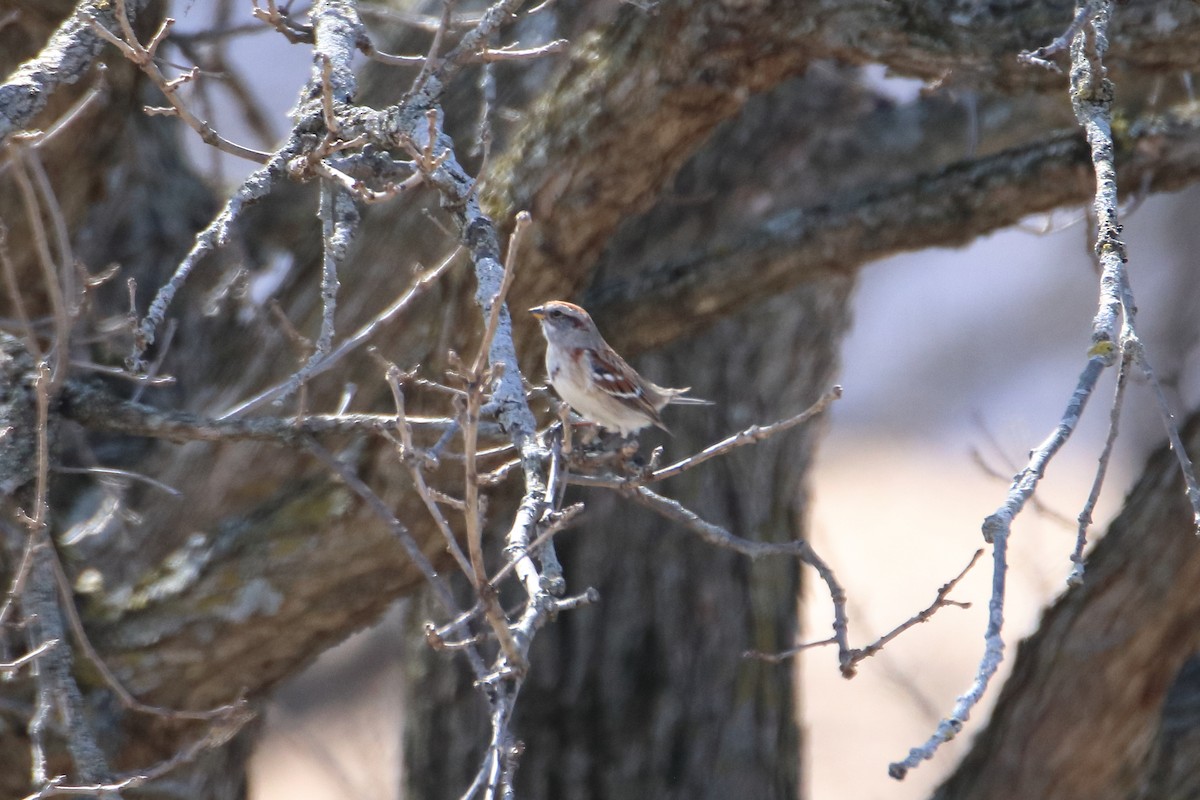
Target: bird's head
[[562, 319]]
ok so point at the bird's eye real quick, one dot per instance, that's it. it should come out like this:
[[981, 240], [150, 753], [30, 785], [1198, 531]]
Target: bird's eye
[[556, 314]]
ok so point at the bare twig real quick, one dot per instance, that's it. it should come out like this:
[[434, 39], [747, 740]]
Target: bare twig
[[375, 54], [37, 726], [858, 654], [28, 658], [1005, 476], [1085, 515], [473, 512], [402, 534], [1091, 96], [93, 407], [412, 459], [294, 32], [339, 221], [512, 53], [69, 53], [219, 734], [940, 601], [422, 284], [145, 58], [431, 58], [557, 522], [35, 140], [799, 548], [44, 616], [1041, 56], [1172, 429], [791, 652], [424, 22], [15, 297], [123, 374], [475, 40], [50, 273], [495, 304], [19, 576], [71, 293], [126, 698], [751, 435], [1092, 100], [215, 235], [150, 379], [755, 433], [996, 529]]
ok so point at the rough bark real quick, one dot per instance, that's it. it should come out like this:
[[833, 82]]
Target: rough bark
[[267, 561]]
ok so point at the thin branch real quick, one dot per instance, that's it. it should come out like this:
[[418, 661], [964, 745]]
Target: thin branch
[[339, 222], [940, 601], [375, 54], [50, 273], [402, 534], [799, 548], [121, 473], [859, 654], [28, 658], [1085, 515], [150, 377], [996, 530], [1092, 100], [413, 460], [435, 46], [93, 97], [475, 40], [1172, 429], [17, 585], [71, 615], [1091, 95], [512, 53], [786, 655], [145, 59], [94, 408], [294, 32], [751, 435], [123, 374], [1041, 56], [66, 257], [44, 615], [556, 522], [495, 304], [422, 284], [36, 727], [755, 433], [216, 736], [16, 297], [65, 59], [257, 186], [424, 22], [473, 511]]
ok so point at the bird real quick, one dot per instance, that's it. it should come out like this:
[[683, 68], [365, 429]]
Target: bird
[[593, 379]]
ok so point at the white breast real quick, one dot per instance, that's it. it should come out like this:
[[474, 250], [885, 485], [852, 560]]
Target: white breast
[[569, 378]]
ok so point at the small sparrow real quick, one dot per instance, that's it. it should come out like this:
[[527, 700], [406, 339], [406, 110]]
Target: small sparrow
[[593, 380]]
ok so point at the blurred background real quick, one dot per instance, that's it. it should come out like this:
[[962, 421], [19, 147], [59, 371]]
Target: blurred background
[[941, 407]]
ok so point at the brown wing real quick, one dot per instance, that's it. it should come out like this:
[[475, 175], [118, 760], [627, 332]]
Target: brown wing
[[616, 378]]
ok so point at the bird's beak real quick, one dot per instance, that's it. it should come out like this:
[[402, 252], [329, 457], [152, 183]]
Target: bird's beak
[[539, 312]]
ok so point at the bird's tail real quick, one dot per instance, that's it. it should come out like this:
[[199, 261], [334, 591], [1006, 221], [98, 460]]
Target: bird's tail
[[677, 398]]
